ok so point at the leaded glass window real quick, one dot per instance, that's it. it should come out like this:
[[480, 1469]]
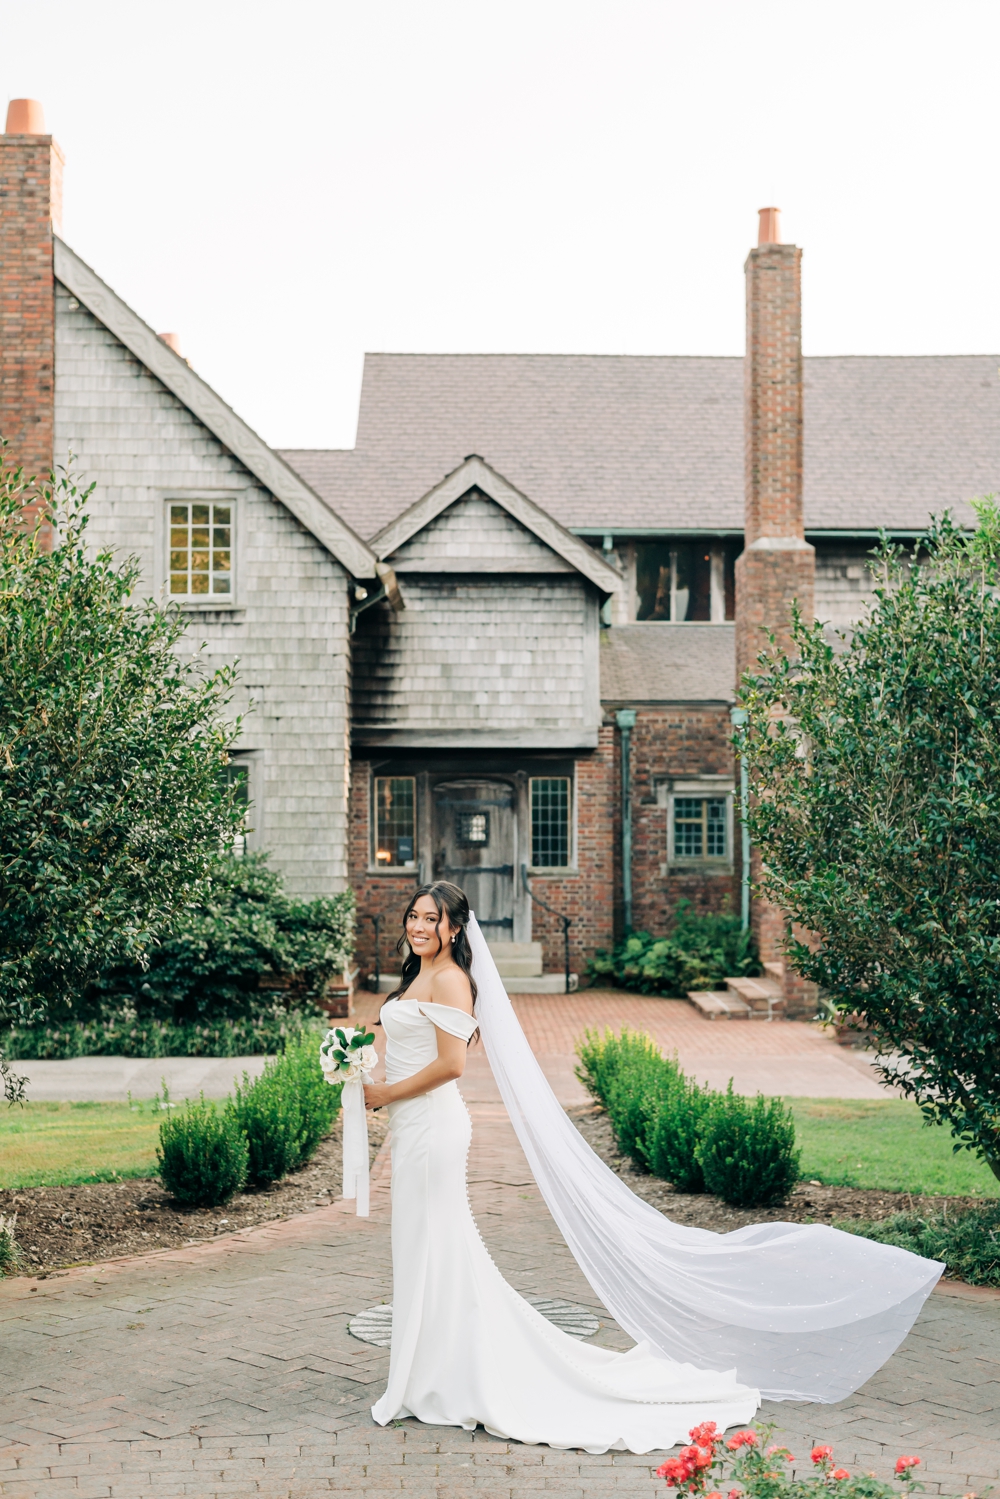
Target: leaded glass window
[[201, 549], [700, 827], [550, 833], [395, 822]]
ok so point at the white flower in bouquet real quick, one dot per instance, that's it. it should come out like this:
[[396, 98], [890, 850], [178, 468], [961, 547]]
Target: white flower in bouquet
[[346, 1053]]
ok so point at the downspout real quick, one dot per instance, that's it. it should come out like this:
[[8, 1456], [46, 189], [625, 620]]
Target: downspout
[[738, 717], [625, 719]]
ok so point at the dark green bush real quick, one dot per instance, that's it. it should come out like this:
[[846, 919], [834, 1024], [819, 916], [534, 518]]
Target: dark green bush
[[259, 1035], [628, 1073], [747, 1149], [286, 1111], [699, 953], [672, 1140], [967, 1241], [318, 1099], [242, 946], [202, 1154]]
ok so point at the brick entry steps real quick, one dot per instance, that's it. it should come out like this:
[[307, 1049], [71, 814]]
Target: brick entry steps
[[742, 999], [520, 966]]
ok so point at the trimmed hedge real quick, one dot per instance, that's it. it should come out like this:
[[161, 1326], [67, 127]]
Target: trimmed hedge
[[742, 1150], [272, 1126], [259, 1035], [202, 1154], [747, 1149]]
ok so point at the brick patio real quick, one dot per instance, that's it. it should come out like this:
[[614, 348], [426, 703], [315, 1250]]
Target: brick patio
[[227, 1368]]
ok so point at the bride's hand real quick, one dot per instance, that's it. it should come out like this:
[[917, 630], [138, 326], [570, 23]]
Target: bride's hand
[[376, 1095]]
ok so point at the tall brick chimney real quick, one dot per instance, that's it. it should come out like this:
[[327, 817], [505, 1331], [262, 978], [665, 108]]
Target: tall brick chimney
[[31, 168], [777, 564]]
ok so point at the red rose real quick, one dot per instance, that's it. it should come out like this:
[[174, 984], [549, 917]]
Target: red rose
[[840, 1473], [820, 1454], [902, 1463], [742, 1439], [705, 1434]]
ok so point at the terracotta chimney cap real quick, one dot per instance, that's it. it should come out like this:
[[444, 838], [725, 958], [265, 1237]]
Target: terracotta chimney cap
[[769, 231], [172, 341], [25, 117]]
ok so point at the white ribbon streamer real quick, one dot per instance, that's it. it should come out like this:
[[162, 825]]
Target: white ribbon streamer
[[355, 1117]]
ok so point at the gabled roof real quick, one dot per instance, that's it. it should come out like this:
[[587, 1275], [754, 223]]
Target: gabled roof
[[180, 379], [633, 443], [475, 473]]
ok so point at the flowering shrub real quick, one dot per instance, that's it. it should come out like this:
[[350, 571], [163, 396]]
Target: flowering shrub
[[760, 1469]]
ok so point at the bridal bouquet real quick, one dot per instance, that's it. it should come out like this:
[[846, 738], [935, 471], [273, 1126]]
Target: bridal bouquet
[[347, 1056], [345, 1053]]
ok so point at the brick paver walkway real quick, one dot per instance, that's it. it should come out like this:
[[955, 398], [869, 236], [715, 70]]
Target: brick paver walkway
[[776, 1057], [227, 1369]]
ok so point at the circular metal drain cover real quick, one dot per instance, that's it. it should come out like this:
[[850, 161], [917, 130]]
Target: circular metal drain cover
[[375, 1325]]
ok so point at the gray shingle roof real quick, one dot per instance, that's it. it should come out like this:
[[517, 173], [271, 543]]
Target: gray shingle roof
[[668, 663], [633, 442]]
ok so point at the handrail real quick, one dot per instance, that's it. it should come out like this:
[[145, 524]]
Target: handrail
[[567, 921]]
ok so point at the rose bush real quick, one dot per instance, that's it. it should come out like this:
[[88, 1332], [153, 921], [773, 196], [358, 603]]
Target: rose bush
[[761, 1469]]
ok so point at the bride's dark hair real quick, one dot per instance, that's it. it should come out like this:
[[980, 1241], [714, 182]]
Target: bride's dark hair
[[452, 901]]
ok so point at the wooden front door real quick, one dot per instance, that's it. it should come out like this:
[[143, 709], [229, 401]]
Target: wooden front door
[[475, 846]]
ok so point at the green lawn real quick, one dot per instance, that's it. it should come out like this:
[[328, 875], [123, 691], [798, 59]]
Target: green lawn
[[854, 1142], [63, 1144]]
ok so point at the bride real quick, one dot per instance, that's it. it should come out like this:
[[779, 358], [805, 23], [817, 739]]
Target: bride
[[801, 1311]]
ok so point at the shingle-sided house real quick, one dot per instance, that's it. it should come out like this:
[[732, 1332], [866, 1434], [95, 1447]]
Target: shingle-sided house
[[526, 565]]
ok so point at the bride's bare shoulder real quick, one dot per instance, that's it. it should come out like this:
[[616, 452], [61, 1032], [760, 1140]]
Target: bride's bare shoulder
[[450, 986]]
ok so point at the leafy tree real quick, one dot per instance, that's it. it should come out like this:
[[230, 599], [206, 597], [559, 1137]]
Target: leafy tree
[[111, 751], [227, 952], [875, 773]]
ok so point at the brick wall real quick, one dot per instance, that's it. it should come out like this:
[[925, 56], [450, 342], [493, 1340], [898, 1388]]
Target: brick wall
[[30, 200], [679, 741], [685, 741], [588, 897]]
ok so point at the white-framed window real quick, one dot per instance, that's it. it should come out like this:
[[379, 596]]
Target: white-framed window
[[201, 537], [699, 822], [394, 823], [551, 822]]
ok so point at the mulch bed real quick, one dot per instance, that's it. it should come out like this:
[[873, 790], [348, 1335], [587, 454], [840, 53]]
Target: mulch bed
[[62, 1226], [807, 1203]]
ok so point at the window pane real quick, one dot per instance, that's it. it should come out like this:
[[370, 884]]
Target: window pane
[[395, 821], [550, 822], [688, 818], [201, 557], [673, 580], [716, 828], [473, 828], [652, 581]]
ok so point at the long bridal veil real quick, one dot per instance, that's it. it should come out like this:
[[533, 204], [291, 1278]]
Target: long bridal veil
[[802, 1311]]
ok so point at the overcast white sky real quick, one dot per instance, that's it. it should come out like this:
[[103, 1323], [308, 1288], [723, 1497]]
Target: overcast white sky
[[289, 184]]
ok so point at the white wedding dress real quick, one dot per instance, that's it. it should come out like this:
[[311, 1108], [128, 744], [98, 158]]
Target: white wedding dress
[[787, 1311], [467, 1350]]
